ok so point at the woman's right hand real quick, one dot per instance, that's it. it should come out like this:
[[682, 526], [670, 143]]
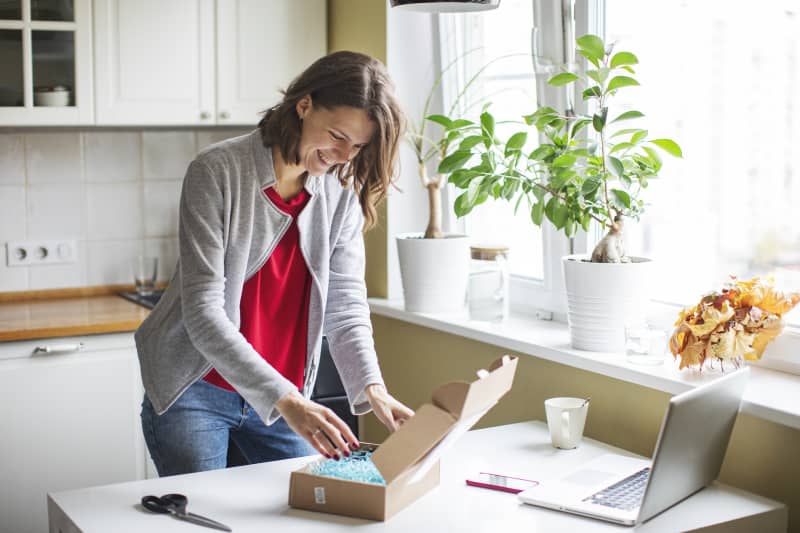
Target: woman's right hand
[[320, 426]]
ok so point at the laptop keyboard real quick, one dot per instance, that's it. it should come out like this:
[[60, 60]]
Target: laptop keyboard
[[625, 494]]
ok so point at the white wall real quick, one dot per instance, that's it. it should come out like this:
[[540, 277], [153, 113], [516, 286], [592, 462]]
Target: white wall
[[113, 191], [410, 54]]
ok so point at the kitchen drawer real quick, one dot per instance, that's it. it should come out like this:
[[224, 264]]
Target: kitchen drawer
[[91, 343]]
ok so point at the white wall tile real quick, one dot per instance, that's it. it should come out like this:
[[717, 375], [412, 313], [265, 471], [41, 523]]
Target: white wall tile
[[62, 275], [55, 211], [167, 252], [161, 200], [208, 137], [12, 213], [111, 262], [167, 154], [114, 211], [112, 155], [53, 157], [12, 278], [12, 159]]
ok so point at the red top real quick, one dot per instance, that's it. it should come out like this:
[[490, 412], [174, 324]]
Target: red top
[[274, 305]]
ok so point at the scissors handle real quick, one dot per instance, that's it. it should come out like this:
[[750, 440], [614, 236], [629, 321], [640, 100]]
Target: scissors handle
[[155, 504]]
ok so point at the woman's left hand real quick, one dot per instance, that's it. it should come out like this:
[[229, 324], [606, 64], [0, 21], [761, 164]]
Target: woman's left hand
[[389, 411]]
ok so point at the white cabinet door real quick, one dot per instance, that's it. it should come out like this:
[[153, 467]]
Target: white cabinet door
[[261, 47], [70, 420], [44, 46], [154, 62]]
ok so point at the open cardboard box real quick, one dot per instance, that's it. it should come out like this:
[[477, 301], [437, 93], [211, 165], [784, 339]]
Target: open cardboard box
[[409, 458]]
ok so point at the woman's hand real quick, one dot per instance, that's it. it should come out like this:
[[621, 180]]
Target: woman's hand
[[389, 411], [320, 426]]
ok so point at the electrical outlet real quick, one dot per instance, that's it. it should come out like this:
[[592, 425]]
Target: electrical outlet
[[32, 253]]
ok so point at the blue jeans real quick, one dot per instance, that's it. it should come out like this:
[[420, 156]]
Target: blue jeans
[[192, 435]]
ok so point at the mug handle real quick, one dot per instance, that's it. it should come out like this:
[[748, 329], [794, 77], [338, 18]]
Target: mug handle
[[565, 426]]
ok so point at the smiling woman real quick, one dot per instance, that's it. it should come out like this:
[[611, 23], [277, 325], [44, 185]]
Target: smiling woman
[[272, 258]]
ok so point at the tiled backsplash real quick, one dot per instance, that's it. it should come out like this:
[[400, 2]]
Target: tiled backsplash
[[114, 192]]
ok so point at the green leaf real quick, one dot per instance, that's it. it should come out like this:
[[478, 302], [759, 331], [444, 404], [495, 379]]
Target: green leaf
[[542, 152], [537, 213], [562, 79], [454, 161], [560, 215], [487, 127], [600, 75], [618, 82], [622, 197], [510, 188], [638, 136], [590, 185], [626, 131], [440, 119], [469, 142], [591, 46], [621, 146], [461, 206], [616, 166], [628, 115], [599, 119], [461, 123], [654, 157], [516, 141], [592, 92], [623, 58], [669, 146], [578, 125], [564, 160]]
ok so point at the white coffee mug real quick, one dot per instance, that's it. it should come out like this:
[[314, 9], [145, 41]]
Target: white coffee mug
[[565, 419]]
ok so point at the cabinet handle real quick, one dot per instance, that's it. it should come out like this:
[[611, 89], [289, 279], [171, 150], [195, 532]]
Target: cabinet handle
[[224, 115], [54, 348], [205, 115]]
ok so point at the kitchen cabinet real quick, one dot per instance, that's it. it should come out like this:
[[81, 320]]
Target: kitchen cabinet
[[200, 62], [46, 58], [70, 420]]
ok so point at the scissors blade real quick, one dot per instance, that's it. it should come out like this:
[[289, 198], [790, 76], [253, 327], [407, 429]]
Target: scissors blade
[[202, 521]]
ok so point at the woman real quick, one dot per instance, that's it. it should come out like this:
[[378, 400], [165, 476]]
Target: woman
[[272, 258]]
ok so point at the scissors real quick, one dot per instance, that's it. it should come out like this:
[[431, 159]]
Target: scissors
[[175, 504]]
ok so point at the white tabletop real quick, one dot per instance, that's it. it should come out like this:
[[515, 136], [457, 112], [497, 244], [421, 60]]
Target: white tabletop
[[254, 498]]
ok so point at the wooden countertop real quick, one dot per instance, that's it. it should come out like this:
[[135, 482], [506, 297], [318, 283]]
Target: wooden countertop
[[67, 312]]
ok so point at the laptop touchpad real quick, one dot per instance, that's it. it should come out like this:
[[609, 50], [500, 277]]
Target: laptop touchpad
[[587, 476]]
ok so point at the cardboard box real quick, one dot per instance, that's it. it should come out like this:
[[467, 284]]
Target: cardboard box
[[409, 458]]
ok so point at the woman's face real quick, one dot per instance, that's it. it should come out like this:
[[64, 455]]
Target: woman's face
[[331, 136]]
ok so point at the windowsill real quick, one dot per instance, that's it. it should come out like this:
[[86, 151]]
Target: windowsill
[[770, 394]]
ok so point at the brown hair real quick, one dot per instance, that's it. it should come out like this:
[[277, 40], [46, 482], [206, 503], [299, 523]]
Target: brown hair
[[354, 80]]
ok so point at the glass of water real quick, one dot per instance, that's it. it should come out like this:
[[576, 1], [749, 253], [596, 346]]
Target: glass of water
[[145, 272], [645, 344]]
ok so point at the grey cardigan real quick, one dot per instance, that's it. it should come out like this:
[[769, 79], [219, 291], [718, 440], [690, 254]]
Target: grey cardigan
[[227, 230]]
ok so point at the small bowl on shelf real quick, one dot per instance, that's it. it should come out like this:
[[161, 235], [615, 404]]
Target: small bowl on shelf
[[51, 96]]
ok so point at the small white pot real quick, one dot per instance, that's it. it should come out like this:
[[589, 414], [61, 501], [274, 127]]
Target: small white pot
[[434, 272], [602, 298]]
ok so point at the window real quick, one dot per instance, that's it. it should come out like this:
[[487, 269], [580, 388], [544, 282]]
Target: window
[[721, 78], [717, 76], [470, 42]]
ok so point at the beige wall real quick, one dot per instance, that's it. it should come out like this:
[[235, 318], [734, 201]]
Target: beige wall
[[360, 25], [761, 457]]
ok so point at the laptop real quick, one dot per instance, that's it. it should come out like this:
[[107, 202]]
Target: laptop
[[688, 456]]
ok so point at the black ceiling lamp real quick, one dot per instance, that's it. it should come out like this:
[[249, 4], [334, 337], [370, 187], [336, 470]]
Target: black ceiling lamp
[[446, 6]]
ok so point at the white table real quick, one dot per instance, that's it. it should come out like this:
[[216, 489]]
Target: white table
[[254, 498]]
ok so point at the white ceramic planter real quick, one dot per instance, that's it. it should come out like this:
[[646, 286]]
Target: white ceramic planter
[[601, 298], [434, 272]]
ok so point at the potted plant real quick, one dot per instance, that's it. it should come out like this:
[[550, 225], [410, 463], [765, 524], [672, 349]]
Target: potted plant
[[586, 168], [434, 266]]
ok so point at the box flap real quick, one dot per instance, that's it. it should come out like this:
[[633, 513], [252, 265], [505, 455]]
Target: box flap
[[452, 403]]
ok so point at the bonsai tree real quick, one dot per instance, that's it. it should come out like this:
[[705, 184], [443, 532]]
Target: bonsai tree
[[428, 147], [585, 167]]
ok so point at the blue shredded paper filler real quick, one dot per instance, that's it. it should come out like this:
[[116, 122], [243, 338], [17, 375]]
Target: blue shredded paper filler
[[357, 467]]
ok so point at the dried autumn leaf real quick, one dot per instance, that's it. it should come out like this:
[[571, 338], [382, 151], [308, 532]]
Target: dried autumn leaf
[[679, 339], [712, 317], [771, 329], [694, 353], [730, 344], [777, 302]]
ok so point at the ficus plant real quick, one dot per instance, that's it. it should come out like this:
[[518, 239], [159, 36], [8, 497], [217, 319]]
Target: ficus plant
[[585, 167]]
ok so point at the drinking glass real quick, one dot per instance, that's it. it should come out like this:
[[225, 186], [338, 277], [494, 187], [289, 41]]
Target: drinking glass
[[645, 344], [145, 271]]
